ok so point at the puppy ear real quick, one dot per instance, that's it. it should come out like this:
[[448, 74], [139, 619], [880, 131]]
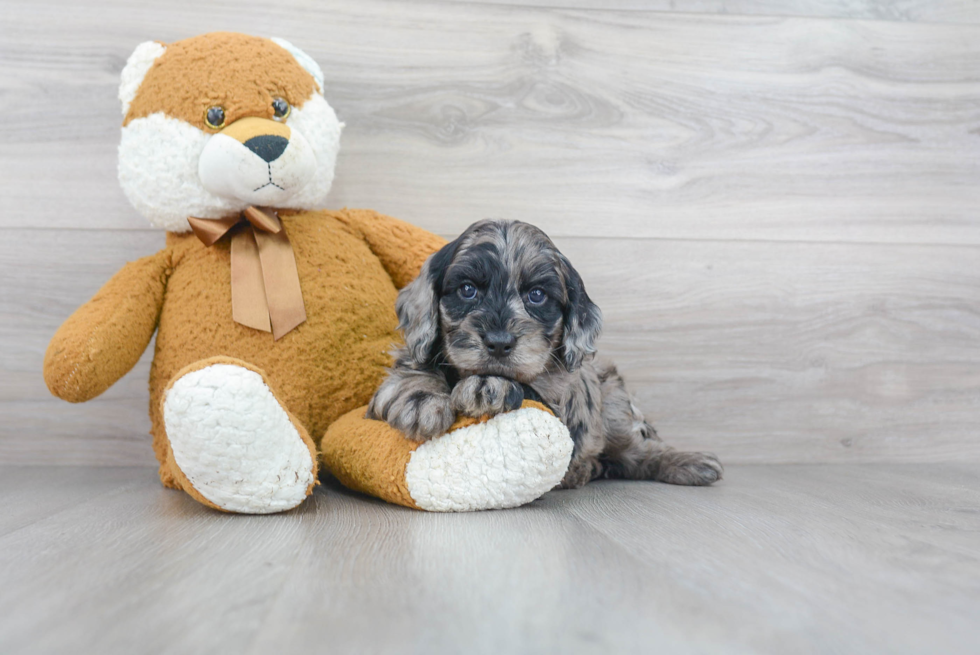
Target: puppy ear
[[135, 70], [582, 318], [418, 306]]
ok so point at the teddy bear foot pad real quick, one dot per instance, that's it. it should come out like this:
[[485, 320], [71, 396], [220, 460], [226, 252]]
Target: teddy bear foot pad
[[234, 443], [507, 461]]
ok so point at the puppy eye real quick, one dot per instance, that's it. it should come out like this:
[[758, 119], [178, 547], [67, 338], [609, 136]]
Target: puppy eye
[[536, 296], [281, 108], [214, 118], [467, 291]]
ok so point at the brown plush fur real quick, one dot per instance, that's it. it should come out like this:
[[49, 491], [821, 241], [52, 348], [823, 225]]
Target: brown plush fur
[[370, 456], [243, 75], [350, 265], [106, 336]]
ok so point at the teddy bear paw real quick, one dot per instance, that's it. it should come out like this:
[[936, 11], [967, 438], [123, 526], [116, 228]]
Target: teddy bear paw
[[507, 461], [234, 442]]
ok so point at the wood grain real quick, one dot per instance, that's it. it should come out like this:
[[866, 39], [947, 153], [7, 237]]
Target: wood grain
[[776, 559], [778, 215], [47, 274], [918, 11], [813, 352], [35, 493], [762, 352], [586, 122], [774, 203]]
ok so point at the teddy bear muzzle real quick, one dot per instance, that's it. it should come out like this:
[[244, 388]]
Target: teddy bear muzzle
[[256, 161]]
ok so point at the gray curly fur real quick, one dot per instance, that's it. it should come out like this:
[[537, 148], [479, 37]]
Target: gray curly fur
[[446, 365]]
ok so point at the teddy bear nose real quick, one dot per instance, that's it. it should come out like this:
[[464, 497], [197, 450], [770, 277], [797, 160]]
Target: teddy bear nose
[[267, 146]]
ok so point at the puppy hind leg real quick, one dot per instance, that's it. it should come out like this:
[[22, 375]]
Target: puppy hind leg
[[633, 450], [581, 413], [581, 471], [638, 458]]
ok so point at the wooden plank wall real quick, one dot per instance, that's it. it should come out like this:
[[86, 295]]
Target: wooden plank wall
[[776, 204]]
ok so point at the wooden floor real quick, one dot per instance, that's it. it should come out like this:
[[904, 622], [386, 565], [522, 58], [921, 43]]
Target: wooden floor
[[776, 559]]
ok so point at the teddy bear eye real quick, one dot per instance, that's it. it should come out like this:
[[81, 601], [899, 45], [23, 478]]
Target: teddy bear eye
[[215, 118], [281, 108]]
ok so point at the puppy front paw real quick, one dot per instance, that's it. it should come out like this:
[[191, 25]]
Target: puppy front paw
[[486, 395], [421, 415]]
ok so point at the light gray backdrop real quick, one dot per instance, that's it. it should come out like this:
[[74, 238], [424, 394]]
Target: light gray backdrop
[[778, 214]]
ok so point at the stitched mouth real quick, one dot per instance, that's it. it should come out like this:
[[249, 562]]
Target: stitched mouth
[[268, 166]]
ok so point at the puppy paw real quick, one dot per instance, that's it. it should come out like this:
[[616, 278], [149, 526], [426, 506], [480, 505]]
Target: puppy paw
[[580, 472], [421, 415], [486, 395], [691, 469]]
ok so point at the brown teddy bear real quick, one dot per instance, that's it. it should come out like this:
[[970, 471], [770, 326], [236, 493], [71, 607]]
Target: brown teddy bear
[[274, 319]]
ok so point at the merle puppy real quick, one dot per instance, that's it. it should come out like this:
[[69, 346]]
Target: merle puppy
[[500, 314]]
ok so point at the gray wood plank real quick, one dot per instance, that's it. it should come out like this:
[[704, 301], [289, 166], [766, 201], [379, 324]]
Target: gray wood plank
[[107, 431], [47, 274], [776, 559], [586, 122], [762, 352], [33, 493], [918, 11], [758, 349], [156, 549], [826, 549]]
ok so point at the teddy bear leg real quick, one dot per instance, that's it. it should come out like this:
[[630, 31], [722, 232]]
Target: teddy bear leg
[[232, 445], [505, 461]]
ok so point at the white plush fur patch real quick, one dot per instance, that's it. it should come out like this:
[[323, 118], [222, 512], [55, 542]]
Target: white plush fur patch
[[159, 159], [235, 443], [508, 461], [136, 68], [318, 123], [228, 169]]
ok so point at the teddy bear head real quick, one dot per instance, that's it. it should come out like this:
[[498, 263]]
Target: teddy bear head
[[219, 122]]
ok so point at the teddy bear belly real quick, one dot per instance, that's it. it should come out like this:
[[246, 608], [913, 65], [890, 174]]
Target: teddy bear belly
[[322, 369]]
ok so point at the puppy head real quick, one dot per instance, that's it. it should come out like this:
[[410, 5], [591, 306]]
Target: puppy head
[[218, 122], [499, 300]]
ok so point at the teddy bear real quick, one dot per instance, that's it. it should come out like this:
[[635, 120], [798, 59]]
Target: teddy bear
[[274, 319]]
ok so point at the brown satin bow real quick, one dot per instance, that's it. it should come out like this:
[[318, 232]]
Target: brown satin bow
[[264, 280]]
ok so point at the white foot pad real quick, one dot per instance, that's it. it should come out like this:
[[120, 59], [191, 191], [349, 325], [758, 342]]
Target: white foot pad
[[235, 443], [508, 461]]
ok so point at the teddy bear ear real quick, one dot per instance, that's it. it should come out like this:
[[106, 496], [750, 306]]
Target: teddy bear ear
[[304, 60], [135, 70]]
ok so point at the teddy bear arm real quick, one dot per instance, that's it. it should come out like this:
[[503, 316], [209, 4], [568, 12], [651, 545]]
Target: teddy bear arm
[[401, 247], [106, 336]]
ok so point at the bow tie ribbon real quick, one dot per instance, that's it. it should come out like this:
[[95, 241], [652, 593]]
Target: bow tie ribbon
[[265, 291]]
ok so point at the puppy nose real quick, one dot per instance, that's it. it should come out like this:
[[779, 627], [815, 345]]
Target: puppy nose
[[267, 146], [499, 343]]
